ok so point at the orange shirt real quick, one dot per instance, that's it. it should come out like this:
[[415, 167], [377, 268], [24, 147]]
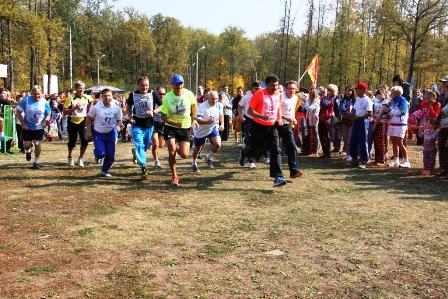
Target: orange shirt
[[266, 104]]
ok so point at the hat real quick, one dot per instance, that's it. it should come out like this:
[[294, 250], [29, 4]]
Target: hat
[[361, 85], [444, 79], [177, 79], [321, 89]]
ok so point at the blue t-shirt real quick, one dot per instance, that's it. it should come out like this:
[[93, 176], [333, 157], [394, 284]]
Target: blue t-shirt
[[35, 112]]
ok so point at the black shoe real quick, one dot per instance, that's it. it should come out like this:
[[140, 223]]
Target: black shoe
[[35, 166], [134, 157], [199, 156], [28, 156]]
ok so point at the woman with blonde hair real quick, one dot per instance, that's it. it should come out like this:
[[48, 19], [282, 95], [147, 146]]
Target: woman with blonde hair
[[312, 108]]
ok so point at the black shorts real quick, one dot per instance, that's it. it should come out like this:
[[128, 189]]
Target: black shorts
[[179, 134], [159, 127], [30, 135]]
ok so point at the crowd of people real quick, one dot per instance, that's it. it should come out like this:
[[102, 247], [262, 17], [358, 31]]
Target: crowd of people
[[267, 122]]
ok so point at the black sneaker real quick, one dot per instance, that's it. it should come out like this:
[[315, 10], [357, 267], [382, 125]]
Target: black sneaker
[[28, 155], [35, 166]]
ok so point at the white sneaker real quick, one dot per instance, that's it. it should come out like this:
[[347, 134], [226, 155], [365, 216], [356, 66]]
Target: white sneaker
[[157, 164], [349, 159], [394, 164], [106, 174], [266, 160], [80, 162], [252, 166], [405, 165], [71, 162]]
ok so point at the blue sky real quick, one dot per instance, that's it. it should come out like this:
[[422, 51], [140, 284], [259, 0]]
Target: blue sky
[[255, 17]]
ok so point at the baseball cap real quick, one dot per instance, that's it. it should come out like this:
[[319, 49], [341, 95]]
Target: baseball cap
[[361, 85], [177, 79], [444, 79]]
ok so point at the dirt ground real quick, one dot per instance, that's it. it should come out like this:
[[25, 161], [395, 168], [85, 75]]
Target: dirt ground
[[336, 232]]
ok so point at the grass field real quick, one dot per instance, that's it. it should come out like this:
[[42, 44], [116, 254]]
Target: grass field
[[336, 232]]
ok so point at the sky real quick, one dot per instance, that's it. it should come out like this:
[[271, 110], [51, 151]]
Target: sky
[[255, 17]]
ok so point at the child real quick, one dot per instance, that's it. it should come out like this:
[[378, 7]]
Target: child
[[429, 134], [56, 117]]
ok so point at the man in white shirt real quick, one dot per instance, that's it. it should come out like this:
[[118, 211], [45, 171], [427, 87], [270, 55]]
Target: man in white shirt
[[362, 111], [210, 119], [285, 132], [246, 119]]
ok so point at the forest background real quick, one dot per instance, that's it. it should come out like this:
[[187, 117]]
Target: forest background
[[356, 40]]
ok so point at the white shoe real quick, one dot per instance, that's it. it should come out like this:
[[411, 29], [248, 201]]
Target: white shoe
[[349, 159], [252, 166], [405, 165], [266, 160], [394, 164], [157, 164], [106, 174], [71, 162], [80, 162]]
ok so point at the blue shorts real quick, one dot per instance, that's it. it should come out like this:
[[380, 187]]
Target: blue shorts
[[201, 141]]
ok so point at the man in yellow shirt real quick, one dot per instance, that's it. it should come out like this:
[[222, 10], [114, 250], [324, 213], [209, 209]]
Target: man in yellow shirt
[[178, 110], [76, 107]]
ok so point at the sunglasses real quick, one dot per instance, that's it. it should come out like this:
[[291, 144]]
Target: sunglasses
[[162, 94]]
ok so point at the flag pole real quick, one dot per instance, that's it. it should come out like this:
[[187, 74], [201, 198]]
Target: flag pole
[[302, 76]]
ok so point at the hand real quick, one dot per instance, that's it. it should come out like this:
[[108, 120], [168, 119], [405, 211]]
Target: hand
[[24, 127], [195, 124], [89, 134], [211, 120], [264, 117], [118, 128], [149, 113], [221, 128], [243, 119], [280, 122], [294, 121], [132, 121]]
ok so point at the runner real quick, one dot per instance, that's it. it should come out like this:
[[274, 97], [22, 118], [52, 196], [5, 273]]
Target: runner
[[285, 132], [157, 135], [265, 108], [106, 115], [76, 107], [179, 107], [210, 119], [144, 101], [37, 117]]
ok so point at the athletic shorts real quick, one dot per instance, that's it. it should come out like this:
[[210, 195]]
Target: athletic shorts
[[201, 141], [30, 135], [158, 127], [177, 133]]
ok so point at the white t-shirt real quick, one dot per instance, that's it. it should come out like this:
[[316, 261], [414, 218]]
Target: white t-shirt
[[105, 117], [244, 102], [362, 105], [288, 105], [205, 112]]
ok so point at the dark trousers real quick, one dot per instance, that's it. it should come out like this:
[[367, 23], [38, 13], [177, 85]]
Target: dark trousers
[[324, 136], [19, 136], [73, 131], [266, 135], [285, 132], [443, 150]]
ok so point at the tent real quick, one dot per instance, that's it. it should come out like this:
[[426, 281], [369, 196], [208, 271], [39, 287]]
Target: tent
[[98, 88]]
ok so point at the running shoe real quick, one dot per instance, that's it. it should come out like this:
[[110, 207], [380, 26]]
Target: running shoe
[[106, 174], [279, 181], [36, 166], [144, 174], [134, 157], [296, 175], [252, 165], [200, 156], [157, 164], [405, 165], [362, 165], [195, 168], [97, 161], [209, 162], [80, 162], [175, 181], [28, 155], [267, 160], [71, 162], [393, 164]]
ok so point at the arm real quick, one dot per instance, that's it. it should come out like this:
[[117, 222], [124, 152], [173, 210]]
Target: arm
[[20, 118], [253, 113], [194, 114], [89, 126], [240, 113]]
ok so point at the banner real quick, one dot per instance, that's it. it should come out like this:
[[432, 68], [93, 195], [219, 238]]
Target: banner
[[312, 70], [54, 84], [3, 70]]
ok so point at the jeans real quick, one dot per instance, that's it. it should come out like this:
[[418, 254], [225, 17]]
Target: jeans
[[429, 159], [358, 138]]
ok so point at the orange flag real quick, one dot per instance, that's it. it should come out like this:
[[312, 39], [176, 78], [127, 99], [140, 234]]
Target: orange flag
[[312, 70]]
